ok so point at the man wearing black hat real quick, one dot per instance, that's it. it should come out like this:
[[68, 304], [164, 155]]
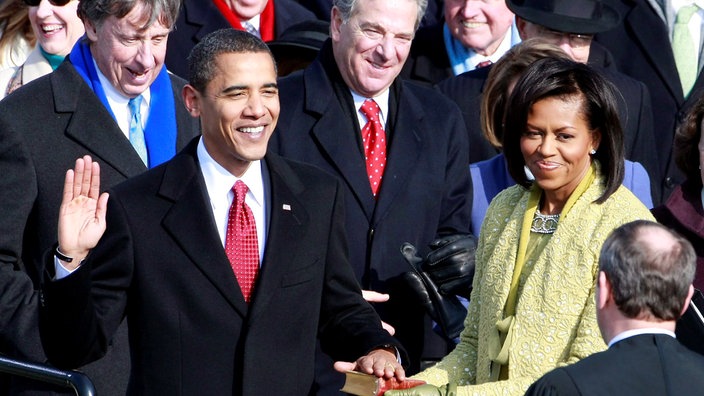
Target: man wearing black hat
[[571, 25], [299, 45]]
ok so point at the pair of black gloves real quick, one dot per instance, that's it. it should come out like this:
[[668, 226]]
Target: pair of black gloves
[[445, 273]]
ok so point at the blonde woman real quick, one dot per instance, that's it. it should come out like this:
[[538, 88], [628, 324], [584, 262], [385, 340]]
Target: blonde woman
[[56, 27]]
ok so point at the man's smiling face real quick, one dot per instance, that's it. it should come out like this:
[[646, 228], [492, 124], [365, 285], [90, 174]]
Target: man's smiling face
[[128, 53]]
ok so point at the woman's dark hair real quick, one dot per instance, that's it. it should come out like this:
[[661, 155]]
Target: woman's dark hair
[[504, 73], [565, 79], [686, 147]]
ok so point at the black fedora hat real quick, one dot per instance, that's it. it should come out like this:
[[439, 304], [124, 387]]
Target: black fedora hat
[[569, 16], [303, 36]]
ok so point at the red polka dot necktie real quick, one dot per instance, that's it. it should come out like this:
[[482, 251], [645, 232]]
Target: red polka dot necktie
[[241, 244], [374, 140]]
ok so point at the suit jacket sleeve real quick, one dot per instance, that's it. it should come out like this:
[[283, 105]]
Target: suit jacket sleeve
[[18, 189], [457, 200], [19, 336], [81, 312], [349, 326], [554, 383]]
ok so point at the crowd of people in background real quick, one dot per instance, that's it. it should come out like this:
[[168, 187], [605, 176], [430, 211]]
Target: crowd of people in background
[[519, 148]]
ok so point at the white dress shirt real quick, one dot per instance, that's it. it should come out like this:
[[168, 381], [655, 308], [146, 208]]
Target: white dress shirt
[[119, 104], [382, 100], [219, 183]]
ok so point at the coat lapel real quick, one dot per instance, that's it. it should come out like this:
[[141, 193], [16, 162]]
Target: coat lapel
[[288, 218], [640, 19], [90, 124], [341, 148], [190, 222], [403, 153]]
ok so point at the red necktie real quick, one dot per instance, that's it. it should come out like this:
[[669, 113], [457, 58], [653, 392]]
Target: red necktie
[[241, 244], [374, 140], [483, 64]]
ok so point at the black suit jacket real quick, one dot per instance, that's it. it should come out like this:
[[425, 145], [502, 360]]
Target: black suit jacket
[[162, 263], [425, 191], [642, 50], [44, 127], [648, 364], [634, 105], [200, 17]]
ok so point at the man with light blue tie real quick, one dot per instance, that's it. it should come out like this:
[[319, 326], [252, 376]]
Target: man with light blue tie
[[660, 43], [84, 108]]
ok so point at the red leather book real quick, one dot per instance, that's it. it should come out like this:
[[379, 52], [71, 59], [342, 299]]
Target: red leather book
[[362, 384]]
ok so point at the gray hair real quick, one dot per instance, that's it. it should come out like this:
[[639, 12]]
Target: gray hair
[[97, 11], [648, 282], [348, 8], [201, 60]]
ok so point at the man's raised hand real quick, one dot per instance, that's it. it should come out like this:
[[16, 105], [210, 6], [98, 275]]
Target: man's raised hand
[[82, 212]]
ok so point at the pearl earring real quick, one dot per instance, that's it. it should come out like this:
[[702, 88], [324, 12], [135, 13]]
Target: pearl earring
[[592, 152]]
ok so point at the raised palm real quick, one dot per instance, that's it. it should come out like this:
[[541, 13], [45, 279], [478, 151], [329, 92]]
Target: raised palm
[[82, 212]]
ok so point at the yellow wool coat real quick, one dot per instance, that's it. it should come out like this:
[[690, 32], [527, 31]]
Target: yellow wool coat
[[555, 321]]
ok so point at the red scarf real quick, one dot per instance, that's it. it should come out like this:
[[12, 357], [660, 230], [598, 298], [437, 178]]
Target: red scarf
[[266, 18]]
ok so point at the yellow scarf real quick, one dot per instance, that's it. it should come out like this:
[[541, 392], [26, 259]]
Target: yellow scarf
[[505, 326]]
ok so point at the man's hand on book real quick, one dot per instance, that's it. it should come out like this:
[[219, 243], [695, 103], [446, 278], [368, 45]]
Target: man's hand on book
[[425, 390], [380, 362]]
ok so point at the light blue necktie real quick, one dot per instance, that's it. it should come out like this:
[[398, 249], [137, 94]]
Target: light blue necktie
[[136, 129], [251, 29]]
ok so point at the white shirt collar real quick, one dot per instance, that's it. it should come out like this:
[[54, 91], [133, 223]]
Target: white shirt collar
[[219, 182], [504, 46], [382, 100], [631, 333], [255, 22], [118, 103]]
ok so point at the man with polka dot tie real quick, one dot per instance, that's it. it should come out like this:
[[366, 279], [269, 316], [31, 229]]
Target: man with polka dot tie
[[414, 187]]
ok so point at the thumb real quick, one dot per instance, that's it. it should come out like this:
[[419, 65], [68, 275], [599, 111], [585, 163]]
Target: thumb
[[344, 367]]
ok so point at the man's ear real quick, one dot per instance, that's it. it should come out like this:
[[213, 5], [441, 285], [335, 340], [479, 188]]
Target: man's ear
[[687, 300], [91, 30], [191, 98], [603, 290], [335, 24], [521, 27]]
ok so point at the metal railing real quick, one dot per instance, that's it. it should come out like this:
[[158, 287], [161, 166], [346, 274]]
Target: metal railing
[[79, 382]]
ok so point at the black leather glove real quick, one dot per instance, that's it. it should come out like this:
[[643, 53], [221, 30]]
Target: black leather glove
[[446, 310], [450, 264]]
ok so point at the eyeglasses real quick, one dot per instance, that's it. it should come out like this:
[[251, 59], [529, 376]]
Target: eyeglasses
[[58, 3], [575, 40]]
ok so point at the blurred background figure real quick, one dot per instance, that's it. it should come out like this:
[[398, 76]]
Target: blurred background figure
[[57, 27], [660, 43], [489, 177], [267, 19], [17, 38], [299, 45], [563, 125], [683, 211], [322, 9], [473, 34], [644, 285]]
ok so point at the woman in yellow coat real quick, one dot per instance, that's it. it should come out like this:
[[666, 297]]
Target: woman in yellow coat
[[532, 304]]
